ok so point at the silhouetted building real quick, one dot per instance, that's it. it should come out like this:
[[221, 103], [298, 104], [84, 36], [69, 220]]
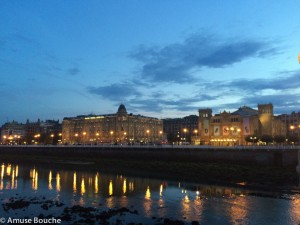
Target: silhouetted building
[[180, 130]]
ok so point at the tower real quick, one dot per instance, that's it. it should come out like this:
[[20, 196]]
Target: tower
[[265, 116], [204, 124]]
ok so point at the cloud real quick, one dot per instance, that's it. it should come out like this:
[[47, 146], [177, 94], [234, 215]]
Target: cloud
[[73, 71], [175, 62], [115, 92], [287, 80]]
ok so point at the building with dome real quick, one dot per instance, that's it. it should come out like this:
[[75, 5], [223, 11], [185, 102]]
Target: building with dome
[[121, 127]]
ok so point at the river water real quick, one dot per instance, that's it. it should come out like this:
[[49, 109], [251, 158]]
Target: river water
[[151, 200]]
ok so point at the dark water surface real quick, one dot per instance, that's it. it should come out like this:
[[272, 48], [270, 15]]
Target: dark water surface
[[151, 200]]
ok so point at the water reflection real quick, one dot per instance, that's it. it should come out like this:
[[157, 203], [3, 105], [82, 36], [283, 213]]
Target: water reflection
[[152, 198], [74, 183], [58, 187]]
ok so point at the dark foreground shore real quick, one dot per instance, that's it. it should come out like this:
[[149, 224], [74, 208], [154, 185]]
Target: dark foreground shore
[[267, 178]]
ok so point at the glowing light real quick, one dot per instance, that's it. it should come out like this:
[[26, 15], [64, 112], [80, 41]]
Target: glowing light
[[74, 182], [50, 181], [124, 186], [82, 187], [13, 179], [8, 169], [17, 171], [110, 188], [2, 171], [148, 193], [161, 190], [58, 187], [96, 183]]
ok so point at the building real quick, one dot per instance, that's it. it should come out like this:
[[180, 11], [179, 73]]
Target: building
[[45, 132], [292, 123], [40, 132], [180, 130], [120, 127], [228, 129], [12, 133]]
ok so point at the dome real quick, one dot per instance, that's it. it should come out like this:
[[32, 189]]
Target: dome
[[122, 109]]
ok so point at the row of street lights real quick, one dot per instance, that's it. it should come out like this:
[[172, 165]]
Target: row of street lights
[[97, 135]]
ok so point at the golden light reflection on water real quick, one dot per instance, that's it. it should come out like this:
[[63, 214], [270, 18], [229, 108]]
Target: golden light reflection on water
[[50, 181], [131, 186], [148, 202], [8, 169], [2, 176], [17, 171], [239, 209], [74, 182], [58, 187], [13, 186], [82, 187], [110, 188], [294, 209], [97, 183], [148, 193], [124, 186], [161, 187], [34, 179]]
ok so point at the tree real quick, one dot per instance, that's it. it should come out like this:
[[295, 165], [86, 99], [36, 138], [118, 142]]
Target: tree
[[266, 138], [279, 139]]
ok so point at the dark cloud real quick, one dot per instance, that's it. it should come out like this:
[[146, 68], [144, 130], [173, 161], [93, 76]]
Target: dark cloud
[[73, 71], [174, 63], [285, 81], [115, 92]]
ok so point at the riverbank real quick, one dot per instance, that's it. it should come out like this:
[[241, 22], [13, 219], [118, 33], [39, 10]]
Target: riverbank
[[267, 178]]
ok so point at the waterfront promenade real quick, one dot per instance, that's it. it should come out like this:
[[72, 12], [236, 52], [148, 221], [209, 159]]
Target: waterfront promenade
[[279, 156]]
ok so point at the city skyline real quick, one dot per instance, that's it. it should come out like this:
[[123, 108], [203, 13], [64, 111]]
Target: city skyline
[[161, 59]]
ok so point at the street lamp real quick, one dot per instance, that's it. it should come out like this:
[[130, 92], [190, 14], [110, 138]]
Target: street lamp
[[52, 136], [97, 135], [4, 137], [76, 138], [252, 138], [292, 127], [148, 131], [60, 137], [185, 130], [84, 133], [111, 135]]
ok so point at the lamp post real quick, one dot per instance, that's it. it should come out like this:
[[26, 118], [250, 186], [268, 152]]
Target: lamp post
[[196, 136], [97, 137], [148, 131], [184, 130], [252, 138], [52, 136], [111, 136], [60, 137], [84, 134], [76, 138], [292, 127]]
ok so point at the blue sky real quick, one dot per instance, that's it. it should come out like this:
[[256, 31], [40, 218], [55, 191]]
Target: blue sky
[[160, 58]]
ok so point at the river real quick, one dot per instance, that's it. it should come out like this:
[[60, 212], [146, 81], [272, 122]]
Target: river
[[51, 188]]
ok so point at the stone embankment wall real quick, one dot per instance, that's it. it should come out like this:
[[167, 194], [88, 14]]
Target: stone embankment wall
[[255, 156]]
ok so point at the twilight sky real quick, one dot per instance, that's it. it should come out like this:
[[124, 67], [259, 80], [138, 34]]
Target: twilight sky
[[63, 58]]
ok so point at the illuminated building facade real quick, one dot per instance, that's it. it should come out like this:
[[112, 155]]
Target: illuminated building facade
[[118, 128], [228, 129], [12, 133], [292, 123]]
